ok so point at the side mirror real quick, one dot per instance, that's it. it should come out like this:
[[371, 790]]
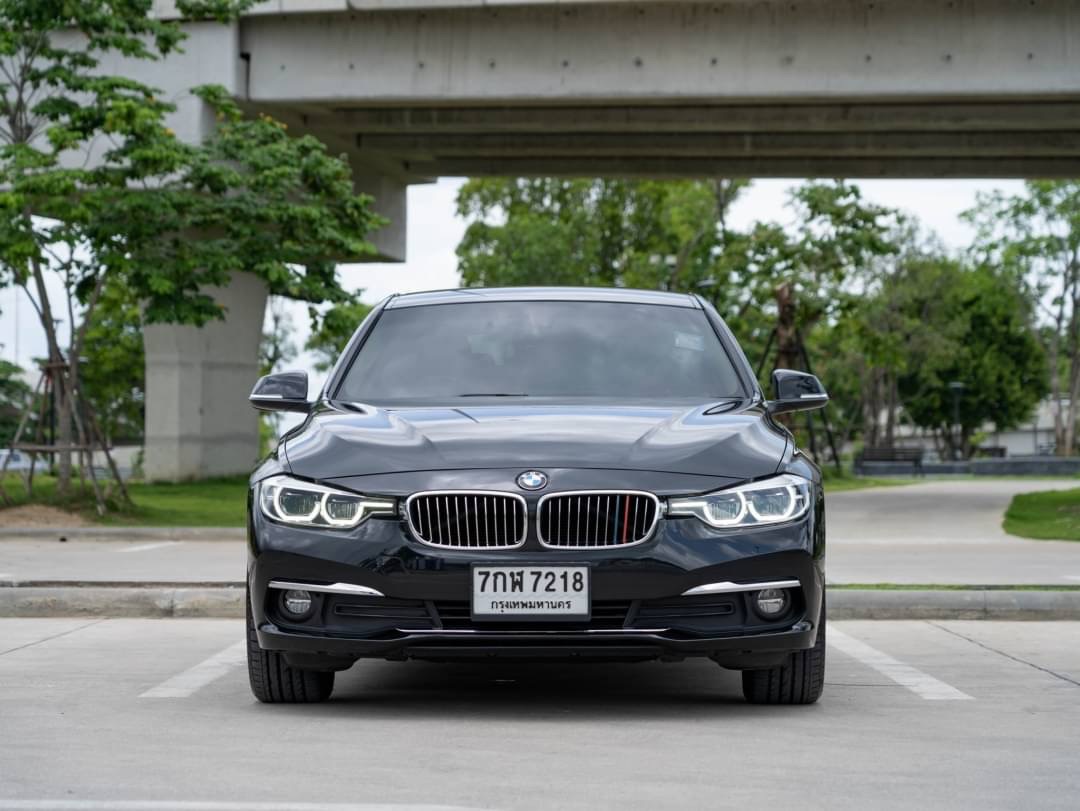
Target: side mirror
[[286, 391], [796, 391]]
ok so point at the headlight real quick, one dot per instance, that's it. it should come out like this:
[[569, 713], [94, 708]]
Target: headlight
[[770, 501], [292, 501]]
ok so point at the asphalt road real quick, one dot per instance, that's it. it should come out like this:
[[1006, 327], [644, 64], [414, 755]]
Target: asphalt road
[[949, 714], [937, 511], [942, 531]]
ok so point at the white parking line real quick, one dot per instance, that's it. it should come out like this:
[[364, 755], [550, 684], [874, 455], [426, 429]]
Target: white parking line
[[922, 684], [211, 805], [195, 678], [143, 547]]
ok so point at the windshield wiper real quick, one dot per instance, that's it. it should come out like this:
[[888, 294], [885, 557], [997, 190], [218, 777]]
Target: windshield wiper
[[494, 394]]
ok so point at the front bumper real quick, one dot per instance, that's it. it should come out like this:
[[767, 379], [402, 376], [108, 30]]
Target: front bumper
[[761, 649], [639, 608]]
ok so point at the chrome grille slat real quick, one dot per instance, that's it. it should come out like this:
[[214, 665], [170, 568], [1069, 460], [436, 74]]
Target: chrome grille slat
[[467, 519], [596, 519]]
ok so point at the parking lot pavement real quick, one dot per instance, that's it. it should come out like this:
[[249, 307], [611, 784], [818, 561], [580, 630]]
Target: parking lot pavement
[[957, 714]]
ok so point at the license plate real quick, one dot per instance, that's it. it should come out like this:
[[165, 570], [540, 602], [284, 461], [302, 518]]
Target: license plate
[[530, 592]]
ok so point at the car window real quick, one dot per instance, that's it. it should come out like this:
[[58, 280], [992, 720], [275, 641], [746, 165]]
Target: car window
[[549, 349]]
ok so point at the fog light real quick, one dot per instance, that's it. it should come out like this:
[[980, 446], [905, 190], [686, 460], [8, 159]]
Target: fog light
[[772, 602], [297, 604]]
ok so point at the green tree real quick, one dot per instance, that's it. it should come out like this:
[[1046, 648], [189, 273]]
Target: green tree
[[787, 280], [167, 218], [114, 370], [865, 347], [1036, 237], [674, 235], [14, 398], [551, 231], [969, 326], [259, 200], [54, 101]]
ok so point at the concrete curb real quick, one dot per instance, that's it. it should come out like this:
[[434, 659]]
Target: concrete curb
[[155, 600], [123, 533], [958, 604]]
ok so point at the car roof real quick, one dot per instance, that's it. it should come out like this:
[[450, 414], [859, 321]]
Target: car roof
[[483, 294]]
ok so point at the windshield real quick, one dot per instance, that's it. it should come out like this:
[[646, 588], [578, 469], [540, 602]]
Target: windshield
[[561, 350]]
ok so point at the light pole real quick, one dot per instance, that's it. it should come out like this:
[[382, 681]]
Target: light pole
[[957, 388]]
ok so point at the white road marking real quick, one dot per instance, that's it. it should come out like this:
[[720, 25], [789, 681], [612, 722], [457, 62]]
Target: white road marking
[[195, 678], [922, 684], [143, 547], [211, 805]]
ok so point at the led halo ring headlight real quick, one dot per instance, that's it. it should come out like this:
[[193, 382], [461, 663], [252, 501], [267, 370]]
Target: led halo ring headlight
[[775, 500], [293, 501]]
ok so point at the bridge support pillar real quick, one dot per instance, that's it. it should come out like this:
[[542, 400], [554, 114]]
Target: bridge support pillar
[[198, 421]]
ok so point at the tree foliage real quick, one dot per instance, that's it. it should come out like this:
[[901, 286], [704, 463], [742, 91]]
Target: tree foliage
[[113, 376], [251, 198], [1035, 236], [14, 396], [160, 218], [591, 232], [967, 326]]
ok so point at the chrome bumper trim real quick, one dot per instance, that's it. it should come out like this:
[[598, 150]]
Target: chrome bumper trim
[[332, 588], [727, 587]]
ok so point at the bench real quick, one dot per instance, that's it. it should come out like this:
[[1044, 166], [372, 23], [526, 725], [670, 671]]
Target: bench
[[887, 453]]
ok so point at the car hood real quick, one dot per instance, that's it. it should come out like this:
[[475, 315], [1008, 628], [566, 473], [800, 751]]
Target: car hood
[[739, 443]]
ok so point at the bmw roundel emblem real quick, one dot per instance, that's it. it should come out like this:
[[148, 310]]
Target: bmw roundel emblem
[[532, 480]]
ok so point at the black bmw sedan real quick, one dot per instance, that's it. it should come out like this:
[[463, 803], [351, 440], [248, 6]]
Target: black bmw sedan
[[580, 474]]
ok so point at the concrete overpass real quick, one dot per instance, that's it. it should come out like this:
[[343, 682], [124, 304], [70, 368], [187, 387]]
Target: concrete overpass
[[415, 89]]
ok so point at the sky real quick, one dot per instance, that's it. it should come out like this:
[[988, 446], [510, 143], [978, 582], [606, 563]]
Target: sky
[[434, 231]]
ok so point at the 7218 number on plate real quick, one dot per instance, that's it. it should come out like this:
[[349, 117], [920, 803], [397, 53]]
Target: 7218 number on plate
[[523, 591]]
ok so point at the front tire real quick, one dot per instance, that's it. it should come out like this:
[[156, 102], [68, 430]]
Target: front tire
[[273, 681], [799, 681]]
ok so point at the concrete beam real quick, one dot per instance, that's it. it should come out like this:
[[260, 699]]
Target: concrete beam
[[763, 51], [954, 116], [677, 167], [725, 145], [390, 202]]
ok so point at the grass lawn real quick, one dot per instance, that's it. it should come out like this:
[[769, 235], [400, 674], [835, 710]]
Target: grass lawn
[[1050, 515], [209, 503]]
